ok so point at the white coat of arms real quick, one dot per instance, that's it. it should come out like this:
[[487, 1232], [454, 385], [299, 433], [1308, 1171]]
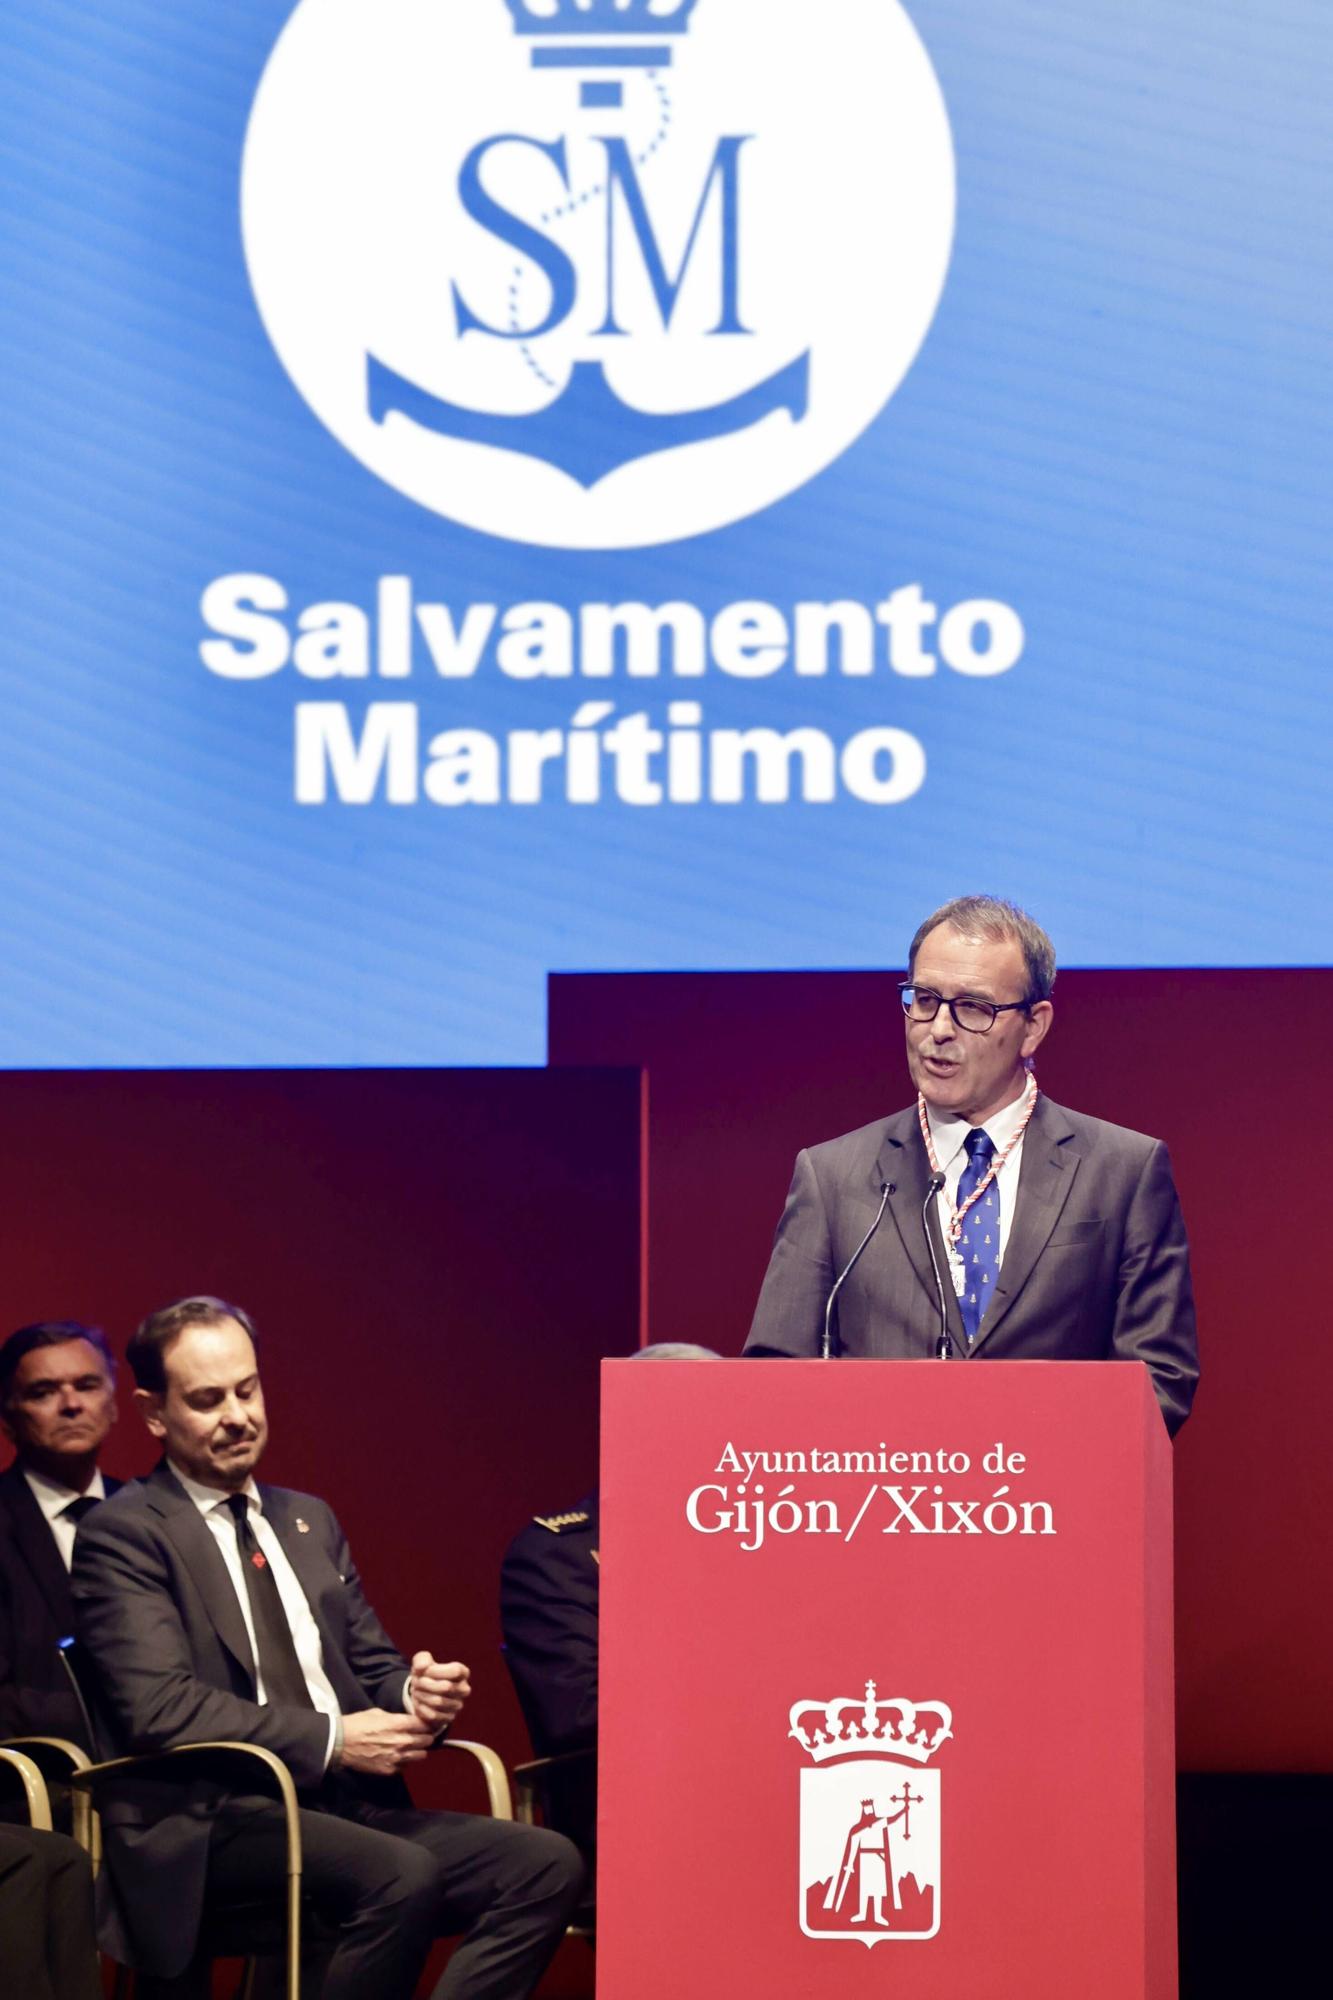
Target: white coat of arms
[[870, 1816]]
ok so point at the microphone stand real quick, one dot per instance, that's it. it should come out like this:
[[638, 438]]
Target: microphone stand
[[944, 1345], [826, 1338]]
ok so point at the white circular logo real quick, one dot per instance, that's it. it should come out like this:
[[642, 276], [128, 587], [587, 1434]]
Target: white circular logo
[[597, 274]]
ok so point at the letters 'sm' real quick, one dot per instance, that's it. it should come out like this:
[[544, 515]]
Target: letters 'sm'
[[620, 173], [556, 267]]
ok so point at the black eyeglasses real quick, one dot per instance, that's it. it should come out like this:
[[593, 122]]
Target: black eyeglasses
[[975, 1017]]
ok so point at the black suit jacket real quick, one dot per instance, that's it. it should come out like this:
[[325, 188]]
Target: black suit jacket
[[549, 1588], [36, 1610], [162, 1627], [1096, 1266]]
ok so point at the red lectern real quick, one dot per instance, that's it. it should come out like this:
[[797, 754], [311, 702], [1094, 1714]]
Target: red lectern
[[886, 1691]]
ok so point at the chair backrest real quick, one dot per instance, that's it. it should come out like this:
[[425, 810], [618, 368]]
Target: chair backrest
[[82, 1679]]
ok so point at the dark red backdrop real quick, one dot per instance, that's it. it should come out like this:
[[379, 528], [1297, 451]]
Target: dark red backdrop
[[1233, 1070], [440, 1257], [436, 1261]]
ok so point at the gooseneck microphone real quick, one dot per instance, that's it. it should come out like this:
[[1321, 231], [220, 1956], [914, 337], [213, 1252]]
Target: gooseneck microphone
[[944, 1345], [826, 1338]]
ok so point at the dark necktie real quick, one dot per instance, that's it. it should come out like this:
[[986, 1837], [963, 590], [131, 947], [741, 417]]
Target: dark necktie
[[979, 1244], [279, 1668], [78, 1509]]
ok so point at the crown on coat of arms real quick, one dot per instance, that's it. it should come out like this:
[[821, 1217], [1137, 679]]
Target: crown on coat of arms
[[601, 17], [850, 1727]]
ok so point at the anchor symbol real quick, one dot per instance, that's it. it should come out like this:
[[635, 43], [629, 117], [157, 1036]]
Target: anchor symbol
[[588, 430]]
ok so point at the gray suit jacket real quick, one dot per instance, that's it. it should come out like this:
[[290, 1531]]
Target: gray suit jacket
[[1096, 1266], [162, 1626]]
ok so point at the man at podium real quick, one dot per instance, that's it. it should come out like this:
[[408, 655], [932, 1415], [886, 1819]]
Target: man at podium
[[984, 1221]]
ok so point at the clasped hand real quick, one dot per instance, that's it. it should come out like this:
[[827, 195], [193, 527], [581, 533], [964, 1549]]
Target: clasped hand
[[437, 1690], [381, 1742]]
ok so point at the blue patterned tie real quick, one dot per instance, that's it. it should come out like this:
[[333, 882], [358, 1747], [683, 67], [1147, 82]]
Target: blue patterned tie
[[979, 1244]]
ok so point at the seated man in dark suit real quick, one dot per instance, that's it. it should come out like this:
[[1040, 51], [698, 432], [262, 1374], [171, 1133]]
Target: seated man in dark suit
[[1052, 1235], [47, 1947], [213, 1608], [57, 1403]]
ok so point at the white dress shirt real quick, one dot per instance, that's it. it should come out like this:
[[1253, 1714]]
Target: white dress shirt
[[54, 1499], [305, 1633], [949, 1138]]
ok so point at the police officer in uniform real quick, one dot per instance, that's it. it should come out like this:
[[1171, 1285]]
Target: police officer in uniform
[[548, 1613]]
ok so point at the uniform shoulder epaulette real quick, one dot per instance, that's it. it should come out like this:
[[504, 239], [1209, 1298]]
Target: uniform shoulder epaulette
[[558, 1522]]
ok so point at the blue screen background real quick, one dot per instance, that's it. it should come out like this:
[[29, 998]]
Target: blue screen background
[[1118, 423]]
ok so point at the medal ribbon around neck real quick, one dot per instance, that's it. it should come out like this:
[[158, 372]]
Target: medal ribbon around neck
[[956, 1214]]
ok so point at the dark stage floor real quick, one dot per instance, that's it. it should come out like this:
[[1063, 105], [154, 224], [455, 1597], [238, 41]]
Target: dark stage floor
[[1255, 1852]]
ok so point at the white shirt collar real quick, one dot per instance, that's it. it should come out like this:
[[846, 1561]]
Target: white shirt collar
[[949, 1134], [206, 1498], [53, 1497]]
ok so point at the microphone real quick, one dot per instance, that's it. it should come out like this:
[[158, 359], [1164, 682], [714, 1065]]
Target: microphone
[[944, 1345], [826, 1338]]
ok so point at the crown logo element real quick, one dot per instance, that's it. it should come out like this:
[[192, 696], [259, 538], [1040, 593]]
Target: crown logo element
[[896, 1727], [601, 17], [627, 21]]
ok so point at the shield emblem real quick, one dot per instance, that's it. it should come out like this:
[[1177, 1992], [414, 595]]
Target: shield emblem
[[870, 1818]]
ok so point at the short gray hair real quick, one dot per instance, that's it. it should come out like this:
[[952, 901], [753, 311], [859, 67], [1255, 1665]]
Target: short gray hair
[[675, 1350], [48, 1333], [993, 917]]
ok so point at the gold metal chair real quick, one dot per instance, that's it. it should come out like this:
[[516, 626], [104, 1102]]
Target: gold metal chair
[[95, 1778], [24, 1775], [35, 1763], [91, 1780], [530, 1781], [55, 1761], [492, 1769]]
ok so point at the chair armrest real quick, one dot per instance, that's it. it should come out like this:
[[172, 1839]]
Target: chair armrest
[[497, 1778], [528, 1777], [54, 1756], [89, 1779], [34, 1787], [563, 1759]]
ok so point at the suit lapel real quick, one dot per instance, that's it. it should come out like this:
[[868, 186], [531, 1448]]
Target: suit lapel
[[193, 1537], [36, 1546], [903, 1161], [1045, 1179]]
